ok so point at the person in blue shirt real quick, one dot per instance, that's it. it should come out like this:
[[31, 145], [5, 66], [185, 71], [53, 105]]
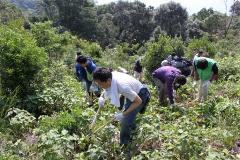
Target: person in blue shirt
[[84, 71]]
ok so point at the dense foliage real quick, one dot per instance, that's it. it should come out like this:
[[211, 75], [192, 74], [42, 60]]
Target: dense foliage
[[9, 12], [20, 61], [43, 108], [172, 17]]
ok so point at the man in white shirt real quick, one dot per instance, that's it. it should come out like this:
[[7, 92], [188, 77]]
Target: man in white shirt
[[116, 84]]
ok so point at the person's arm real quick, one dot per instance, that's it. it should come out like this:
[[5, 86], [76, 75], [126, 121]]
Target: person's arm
[[215, 72], [91, 66], [135, 104], [128, 93], [195, 74], [79, 72]]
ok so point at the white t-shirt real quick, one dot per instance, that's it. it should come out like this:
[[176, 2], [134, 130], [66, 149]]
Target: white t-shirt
[[125, 85]]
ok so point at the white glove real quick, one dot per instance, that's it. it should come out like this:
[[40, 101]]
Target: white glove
[[101, 101], [206, 84], [172, 105], [119, 116]]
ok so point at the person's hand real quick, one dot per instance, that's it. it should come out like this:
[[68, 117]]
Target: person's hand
[[118, 116], [101, 101], [206, 84], [172, 105]]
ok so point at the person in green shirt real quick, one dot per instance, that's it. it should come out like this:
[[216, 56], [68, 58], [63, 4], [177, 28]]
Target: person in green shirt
[[206, 71]]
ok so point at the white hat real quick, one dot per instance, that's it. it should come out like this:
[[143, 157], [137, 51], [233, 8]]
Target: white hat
[[164, 63], [122, 70]]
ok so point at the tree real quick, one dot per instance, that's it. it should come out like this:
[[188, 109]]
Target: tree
[[156, 52], [214, 23], [48, 37], [108, 32], [172, 17], [203, 14], [194, 29], [133, 20], [9, 12], [79, 16], [235, 8], [140, 24]]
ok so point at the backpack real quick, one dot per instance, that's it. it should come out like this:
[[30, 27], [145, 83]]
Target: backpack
[[180, 63]]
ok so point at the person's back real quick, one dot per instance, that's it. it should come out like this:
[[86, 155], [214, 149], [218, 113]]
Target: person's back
[[167, 78], [125, 80], [86, 68], [138, 66], [204, 70], [166, 73]]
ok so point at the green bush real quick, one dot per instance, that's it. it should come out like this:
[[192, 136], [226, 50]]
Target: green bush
[[56, 145], [156, 52], [21, 120], [9, 12], [59, 91], [118, 56], [202, 43], [9, 156], [59, 96], [229, 68], [20, 61], [7, 102], [90, 48], [75, 122], [49, 38]]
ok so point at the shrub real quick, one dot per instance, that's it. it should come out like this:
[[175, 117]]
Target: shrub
[[56, 145], [20, 61], [21, 120], [156, 52], [202, 43], [49, 38], [229, 68], [119, 56], [90, 48]]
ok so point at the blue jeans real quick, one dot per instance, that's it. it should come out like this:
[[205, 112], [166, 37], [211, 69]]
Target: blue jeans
[[88, 85], [128, 122]]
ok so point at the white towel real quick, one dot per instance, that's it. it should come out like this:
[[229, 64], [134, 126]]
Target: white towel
[[114, 93]]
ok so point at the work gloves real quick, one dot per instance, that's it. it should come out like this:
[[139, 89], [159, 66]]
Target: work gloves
[[206, 84], [101, 101], [118, 116]]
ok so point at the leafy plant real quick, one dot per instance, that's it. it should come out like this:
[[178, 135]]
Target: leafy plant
[[156, 52], [20, 61], [202, 43], [54, 144], [49, 38], [21, 120]]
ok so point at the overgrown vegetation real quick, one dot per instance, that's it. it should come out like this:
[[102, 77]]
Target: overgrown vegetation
[[43, 110]]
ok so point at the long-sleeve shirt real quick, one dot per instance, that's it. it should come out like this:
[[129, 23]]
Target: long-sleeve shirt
[[167, 74], [82, 72]]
